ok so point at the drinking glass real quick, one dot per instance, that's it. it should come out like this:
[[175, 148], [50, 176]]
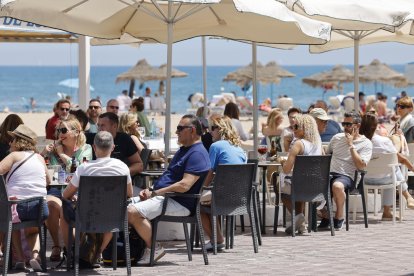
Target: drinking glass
[[262, 150], [141, 131]]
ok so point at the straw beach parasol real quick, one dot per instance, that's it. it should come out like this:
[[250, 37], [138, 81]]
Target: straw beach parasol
[[338, 74], [380, 72]]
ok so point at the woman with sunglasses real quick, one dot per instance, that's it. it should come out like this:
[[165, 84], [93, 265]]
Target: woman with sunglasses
[[272, 129], [128, 124], [404, 109], [224, 150], [307, 142], [381, 144], [71, 142]]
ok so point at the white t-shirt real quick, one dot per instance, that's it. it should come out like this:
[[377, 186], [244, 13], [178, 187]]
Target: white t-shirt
[[101, 167]]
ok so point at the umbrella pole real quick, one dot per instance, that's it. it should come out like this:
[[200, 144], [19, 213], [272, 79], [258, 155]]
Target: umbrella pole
[[255, 113], [203, 47], [131, 88], [356, 74], [168, 91]]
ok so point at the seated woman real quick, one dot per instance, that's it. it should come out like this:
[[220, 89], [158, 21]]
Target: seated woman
[[224, 150], [11, 122], [71, 142], [307, 142], [273, 129], [381, 144], [128, 124], [232, 111], [26, 178]]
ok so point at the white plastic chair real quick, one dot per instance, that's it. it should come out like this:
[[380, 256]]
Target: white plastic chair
[[380, 164], [284, 104], [348, 104]]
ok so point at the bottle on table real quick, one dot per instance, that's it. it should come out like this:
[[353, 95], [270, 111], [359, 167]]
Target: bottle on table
[[153, 128], [47, 161], [84, 160], [272, 151], [74, 166], [62, 175]]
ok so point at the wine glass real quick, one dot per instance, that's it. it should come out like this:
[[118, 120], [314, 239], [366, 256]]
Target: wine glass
[[262, 150], [141, 131]]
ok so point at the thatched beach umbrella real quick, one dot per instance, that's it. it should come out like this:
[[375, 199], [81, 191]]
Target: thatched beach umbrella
[[338, 74], [380, 72]]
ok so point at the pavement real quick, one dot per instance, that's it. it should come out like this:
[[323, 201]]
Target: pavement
[[380, 249]]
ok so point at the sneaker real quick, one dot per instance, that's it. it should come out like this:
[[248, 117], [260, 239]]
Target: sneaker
[[324, 224], [20, 266], [209, 246], [159, 253], [300, 226], [338, 224]]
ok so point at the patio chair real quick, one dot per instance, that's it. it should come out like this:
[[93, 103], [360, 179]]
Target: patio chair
[[232, 196], [380, 164], [357, 191], [140, 180], [284, 104], [6, 225], [274, 181], [101, 207], [311, 183], [194, 219]]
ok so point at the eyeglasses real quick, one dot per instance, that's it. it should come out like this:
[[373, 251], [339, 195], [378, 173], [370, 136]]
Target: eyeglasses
[[213, 128], [181, 128], [64, 109], [94, 107], [62, 130], [113, 107], [295, 126], [347, 124], [403, 106]]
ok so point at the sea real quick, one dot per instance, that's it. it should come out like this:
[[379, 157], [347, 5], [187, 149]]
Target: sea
[[20, 83]]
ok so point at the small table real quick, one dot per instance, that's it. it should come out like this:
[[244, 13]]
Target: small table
[[263, 165], [152, 174]]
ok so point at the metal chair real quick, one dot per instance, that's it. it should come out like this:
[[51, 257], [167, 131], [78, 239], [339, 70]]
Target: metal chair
[[101, 207], [232, 196], [359, 188], [276, 188], [194, 219], [6, 225], [311, 183]]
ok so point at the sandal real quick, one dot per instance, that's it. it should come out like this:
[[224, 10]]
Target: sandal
[[34, 263], [56, 254]]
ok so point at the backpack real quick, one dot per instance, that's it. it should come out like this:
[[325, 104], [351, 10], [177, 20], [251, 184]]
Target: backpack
[[136, 244]]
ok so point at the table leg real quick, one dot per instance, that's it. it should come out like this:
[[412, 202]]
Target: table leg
[[264, 188]]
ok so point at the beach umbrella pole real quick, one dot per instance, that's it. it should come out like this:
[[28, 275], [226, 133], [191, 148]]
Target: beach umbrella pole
[[356, 74], [84, 69], [255, 113], [168, 94], [203, 48]]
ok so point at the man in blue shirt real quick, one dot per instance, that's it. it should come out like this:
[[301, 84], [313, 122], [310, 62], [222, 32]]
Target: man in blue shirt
[[185, 174], [332, 127]]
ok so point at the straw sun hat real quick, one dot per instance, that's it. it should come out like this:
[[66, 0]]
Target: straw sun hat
[[25, 133]]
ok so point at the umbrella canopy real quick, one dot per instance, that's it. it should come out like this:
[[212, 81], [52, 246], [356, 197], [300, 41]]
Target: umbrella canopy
[[338, 74], [356, 20], [143, 72], [73, 83], [382, 73], [265, 21]]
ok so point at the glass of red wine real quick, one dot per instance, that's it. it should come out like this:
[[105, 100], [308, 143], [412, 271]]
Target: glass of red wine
[[262, 150]]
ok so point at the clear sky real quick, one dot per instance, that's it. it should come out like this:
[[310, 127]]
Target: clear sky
[[219, 52]]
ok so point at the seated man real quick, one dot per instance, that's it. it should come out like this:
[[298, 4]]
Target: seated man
[[350, 151], [185, 174], [332, 126], [104, 165]]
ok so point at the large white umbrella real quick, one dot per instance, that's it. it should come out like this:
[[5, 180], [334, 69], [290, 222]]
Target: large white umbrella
[[355, 20], [265, 21]]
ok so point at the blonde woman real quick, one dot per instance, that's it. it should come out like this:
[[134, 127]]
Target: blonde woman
[[224, 150], [71, 142], [128, 124], [272, 129], [307, 142]]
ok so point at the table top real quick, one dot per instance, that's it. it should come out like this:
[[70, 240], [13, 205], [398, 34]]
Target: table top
[[268, 163], [56, 184], [158, 144], [152, 173]]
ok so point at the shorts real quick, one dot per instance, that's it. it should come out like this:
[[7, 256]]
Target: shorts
[[344, 179], [68, 209], [30, 210], [54, 191], [152, 207]]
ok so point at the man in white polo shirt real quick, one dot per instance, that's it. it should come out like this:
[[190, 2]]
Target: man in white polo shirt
[[350, 151]]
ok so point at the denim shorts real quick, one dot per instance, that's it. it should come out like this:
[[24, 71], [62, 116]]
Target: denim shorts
[[344, 179], [30, 210], [54, 191]]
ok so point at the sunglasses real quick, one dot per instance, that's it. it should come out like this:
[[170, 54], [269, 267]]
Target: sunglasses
[[64, 109], [62, 130], [94, 107], [213, 128], [347, 124], [403, 106], [181, 128], [113, 107]]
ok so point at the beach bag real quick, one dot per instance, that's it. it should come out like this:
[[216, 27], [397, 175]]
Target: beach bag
[[136, 246]]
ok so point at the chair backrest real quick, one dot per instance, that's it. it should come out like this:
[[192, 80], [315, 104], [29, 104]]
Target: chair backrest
[[411, 150], [145, 155], [256, 163], [101, 205], [232, 189], [310, 178], [5, 211], [335, 102], [284, 103], [381, 164], [348, 104]]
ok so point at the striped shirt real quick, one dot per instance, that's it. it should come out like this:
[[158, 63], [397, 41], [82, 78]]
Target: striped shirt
[[342, 161]]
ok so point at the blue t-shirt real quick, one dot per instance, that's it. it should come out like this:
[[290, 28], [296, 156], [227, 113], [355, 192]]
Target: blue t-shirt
[[222, 152], [332, 128], [192, 160]]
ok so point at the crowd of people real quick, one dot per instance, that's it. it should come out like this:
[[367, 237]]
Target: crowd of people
[[108, 143]]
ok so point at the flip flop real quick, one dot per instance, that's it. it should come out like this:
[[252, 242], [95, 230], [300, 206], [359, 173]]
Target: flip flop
[[34, 263]]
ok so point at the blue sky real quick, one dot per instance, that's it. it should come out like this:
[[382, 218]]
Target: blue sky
[[219, 52]]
